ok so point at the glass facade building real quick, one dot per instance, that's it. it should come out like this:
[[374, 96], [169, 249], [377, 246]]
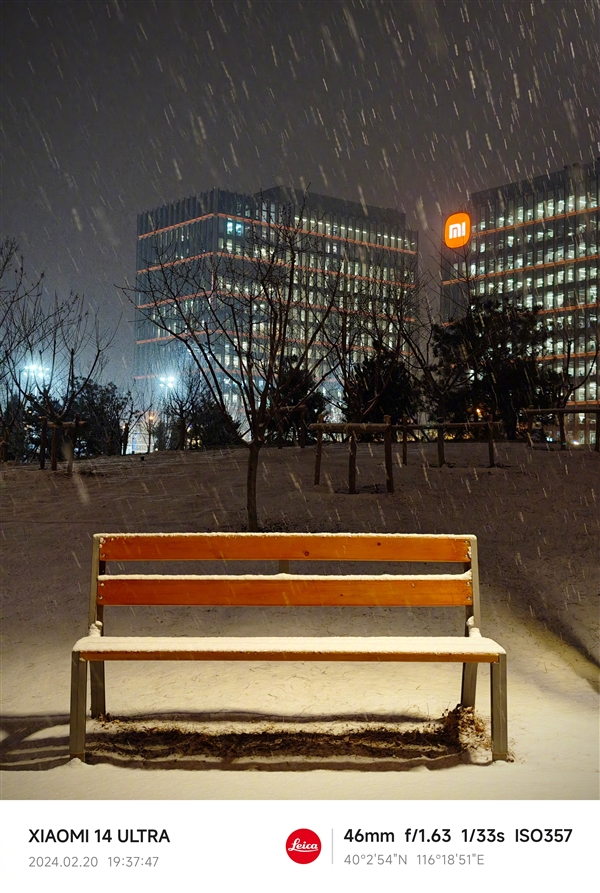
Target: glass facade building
[[369, 244], [534, 243]]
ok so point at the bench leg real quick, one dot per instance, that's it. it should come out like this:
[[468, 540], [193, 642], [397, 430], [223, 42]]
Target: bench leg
[[78, 707], [469, 685], [97, 687], [499, 709]]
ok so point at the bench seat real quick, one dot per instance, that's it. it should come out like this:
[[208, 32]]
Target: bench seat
[[325, 648]]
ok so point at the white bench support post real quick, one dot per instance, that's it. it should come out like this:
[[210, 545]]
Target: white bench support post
[[499, 709], [78, 706]]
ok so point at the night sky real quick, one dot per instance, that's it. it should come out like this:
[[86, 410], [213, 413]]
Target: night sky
[[111, 108]]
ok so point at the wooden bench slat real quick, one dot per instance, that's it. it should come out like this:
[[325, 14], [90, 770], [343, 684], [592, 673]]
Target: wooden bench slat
[[286, 589], [311, 648], [286, 547]]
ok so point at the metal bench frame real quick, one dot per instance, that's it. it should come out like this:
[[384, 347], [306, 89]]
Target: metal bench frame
[[285, 588]]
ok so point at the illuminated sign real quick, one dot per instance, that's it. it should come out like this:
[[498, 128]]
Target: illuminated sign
[[457, 231]]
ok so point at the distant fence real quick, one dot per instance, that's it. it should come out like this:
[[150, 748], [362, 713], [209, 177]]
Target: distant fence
[[352, 429]]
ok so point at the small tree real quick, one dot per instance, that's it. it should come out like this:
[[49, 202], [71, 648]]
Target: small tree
[[62, 361], [381, 385], [191, 419], [179, 405], [300, 402], [500, 346], [209, 428], [108, 413]]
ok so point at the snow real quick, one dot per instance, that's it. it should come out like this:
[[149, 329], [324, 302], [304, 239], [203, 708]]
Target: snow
[[537, 530], [444, 646]]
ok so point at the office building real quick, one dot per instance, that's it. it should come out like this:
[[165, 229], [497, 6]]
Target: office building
[[534, 243], [368, 244]]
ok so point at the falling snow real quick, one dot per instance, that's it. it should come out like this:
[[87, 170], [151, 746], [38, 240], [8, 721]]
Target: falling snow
[[412, 105]]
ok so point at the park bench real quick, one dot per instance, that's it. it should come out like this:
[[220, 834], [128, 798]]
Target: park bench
[[285, 588]]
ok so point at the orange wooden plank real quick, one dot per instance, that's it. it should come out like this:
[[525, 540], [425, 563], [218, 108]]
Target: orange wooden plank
[[290, 547], [278, 590]]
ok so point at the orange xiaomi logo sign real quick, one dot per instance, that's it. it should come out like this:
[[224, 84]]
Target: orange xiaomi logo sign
[[457, 231]]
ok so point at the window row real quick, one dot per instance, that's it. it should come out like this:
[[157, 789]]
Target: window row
[[536, 206]]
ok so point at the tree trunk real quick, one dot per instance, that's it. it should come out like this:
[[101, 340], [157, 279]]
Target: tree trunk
[[440, 444], [318, 453], [561, 427], [43, 437], [490, 433], [352, 464], [54, 448], [253, 454], [389, 472]]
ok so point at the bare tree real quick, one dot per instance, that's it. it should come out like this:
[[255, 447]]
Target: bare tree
[[22, 317], [23, 314], [560, 381], [242, 316], [374, 315], [189, 418], [57, 362], [43, 343]]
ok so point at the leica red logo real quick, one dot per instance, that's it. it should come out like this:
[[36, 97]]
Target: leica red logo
[[303, 846]]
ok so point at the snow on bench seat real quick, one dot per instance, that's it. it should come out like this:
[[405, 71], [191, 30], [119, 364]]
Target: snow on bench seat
[[326, 648]]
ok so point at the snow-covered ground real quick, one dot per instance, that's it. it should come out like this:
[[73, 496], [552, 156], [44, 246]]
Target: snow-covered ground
[[536, 517]]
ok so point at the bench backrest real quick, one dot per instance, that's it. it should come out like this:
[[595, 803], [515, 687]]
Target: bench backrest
[[286, 588]]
